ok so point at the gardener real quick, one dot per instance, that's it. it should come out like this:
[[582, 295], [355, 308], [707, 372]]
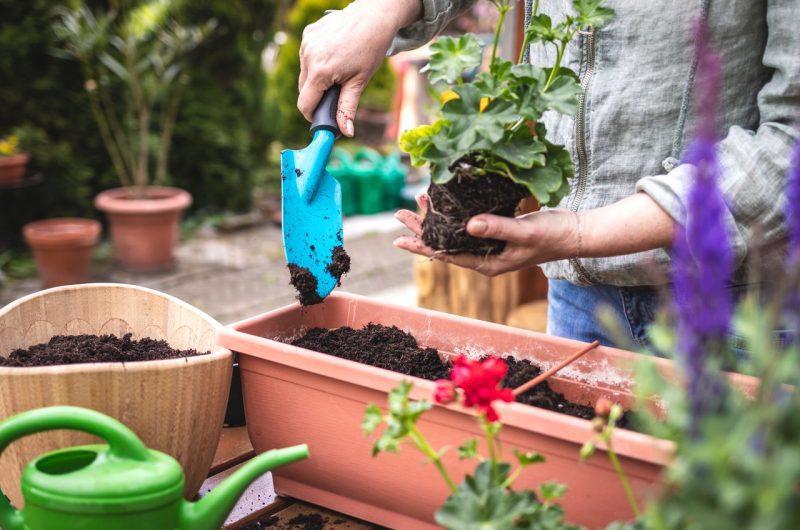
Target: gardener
[[607, 241]]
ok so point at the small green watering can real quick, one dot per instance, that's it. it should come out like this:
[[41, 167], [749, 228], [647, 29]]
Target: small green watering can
[[119, 486]]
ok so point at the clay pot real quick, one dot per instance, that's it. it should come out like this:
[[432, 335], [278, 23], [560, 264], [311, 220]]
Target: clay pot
[[144, 229], [293, 395], [62, 249], [176, 406], [371, 126], [12, 168]]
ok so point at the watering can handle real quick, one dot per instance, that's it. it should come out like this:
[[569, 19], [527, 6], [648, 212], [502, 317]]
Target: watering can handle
[[122, 441], [325, 113]]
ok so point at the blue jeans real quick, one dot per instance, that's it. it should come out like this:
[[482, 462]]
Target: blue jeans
[[572, 312]]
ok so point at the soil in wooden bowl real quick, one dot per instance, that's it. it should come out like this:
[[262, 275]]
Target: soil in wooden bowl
[[454, 203], [304, 281], [77, 349], [391, 348]]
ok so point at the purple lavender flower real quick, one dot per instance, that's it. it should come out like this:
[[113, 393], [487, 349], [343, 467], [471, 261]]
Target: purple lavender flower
[[793, 206], [702, 260]]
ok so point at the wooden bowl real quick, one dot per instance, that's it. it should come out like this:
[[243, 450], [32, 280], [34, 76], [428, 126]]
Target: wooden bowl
[[176, 406]]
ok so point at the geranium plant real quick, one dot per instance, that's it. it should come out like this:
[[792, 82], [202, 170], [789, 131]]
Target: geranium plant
[[488, 148], [485, 499]]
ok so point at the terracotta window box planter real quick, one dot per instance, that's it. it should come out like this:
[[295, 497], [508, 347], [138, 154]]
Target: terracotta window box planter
[[293, 395]]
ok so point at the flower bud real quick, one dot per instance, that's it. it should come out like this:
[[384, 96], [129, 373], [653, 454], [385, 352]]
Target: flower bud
[[603, 407], [598, 424], [587, 450]]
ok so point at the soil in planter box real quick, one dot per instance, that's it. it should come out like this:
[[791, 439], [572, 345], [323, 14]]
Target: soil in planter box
[[454, 203], [75, 349], [377, 345], [393, 349], [306, 283]]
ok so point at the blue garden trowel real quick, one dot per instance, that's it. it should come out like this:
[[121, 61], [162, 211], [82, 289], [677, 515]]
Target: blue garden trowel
[[312, 209]]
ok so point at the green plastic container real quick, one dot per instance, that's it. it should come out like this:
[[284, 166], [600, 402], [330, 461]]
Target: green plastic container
[[393, 177], [366, 169], [340, 166]]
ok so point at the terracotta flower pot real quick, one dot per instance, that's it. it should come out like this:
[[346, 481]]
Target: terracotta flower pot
[[62, 249], [176, 406], [292, 394], [144, 230], [12, 168]]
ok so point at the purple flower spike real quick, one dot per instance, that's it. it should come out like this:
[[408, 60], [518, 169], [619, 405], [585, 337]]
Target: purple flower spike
[[702, 259], [793, 206]]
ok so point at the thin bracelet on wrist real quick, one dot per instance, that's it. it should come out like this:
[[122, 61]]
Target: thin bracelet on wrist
[[579, 232]]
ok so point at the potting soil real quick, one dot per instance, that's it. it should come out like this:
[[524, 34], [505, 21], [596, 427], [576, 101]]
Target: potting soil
[[391, 348], [76, 349], [304, 281], [454, 203]]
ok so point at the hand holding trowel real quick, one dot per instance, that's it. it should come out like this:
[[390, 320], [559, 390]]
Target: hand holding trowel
[[312, 209]]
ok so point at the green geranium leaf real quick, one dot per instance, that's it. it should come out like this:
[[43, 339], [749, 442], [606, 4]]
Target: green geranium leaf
[[418, 140], [562, 95], [475, 129], [481, 502], [528, 73], [398, 398], [450, 57], [540, 29], [552, 491], [490, 86], [547, 183], [372, 418], [592, 13], [501, 69], [526, 459], [522, 149], [468, 449]]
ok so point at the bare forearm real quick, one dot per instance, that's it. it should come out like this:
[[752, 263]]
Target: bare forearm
[[634, 224]]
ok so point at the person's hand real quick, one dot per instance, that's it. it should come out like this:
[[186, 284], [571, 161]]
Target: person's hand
[[532, 239], [347, 47]]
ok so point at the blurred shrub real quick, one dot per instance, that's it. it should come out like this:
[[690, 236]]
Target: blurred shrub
[[221, 134], [282, 89], [223, 130]]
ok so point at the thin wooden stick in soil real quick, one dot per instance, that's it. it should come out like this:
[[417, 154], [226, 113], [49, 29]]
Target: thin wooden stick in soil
[[544, 375]]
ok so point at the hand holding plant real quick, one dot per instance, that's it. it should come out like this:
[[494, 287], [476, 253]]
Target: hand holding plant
[[485, 498], [489, 136]]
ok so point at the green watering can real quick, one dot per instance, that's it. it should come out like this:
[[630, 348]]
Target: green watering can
[[119, 486]]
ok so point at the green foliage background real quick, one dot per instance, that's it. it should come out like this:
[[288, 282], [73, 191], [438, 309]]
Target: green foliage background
[[282, 89], [221, 134]]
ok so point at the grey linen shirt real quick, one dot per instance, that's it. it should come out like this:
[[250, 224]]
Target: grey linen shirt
[[638, 73]]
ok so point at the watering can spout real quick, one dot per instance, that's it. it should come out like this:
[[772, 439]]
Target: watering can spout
[[209, 513]]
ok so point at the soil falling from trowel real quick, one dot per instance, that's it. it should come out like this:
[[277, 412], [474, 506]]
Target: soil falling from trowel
[[340, 264], [306, 283]]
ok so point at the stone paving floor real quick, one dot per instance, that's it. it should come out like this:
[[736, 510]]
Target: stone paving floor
[[241, 274]]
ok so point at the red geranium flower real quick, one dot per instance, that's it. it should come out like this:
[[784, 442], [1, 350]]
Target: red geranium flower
[[445, 391], [480, 381]]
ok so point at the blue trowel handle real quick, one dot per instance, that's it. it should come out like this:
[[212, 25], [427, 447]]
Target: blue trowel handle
[[325, 113]]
